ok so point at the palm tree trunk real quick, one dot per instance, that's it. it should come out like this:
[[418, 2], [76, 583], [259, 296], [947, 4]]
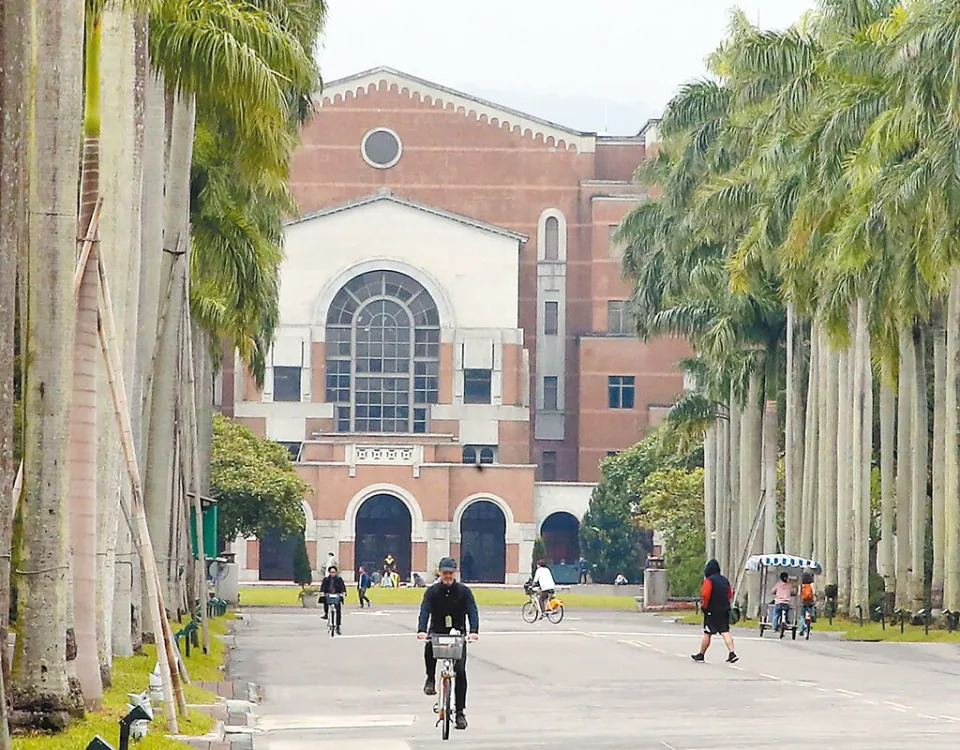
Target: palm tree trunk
[[160, 464], [829, 440], [770, 441], [862, 425], [39, 692], [733, 476], [919, 510], [939, 466], [14, 66], [710, 490], [793, 440], [750, 476], [723, 490], [951, 488], [83, 419], [808, 510], [844, 521], [905, 415], [886, 558]]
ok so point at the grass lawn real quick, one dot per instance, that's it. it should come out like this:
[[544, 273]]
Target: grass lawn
[[850, 630], [130, 675], [288, 596]]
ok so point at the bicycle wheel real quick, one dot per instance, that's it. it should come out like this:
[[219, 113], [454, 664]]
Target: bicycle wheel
[[555, 615], [445, 711], [529, 612]]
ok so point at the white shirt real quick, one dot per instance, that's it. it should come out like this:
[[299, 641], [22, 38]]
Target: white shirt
[[544, 579]]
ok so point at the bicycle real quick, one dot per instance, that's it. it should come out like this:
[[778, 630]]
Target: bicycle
[[333, 612], [449, 650], [531, 611]]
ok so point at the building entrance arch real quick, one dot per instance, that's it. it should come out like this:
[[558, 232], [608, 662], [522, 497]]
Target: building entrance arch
[[561, 537], [483, 543], [383, 527]]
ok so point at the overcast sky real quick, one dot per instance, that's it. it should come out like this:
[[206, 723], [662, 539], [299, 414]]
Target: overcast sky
[[605, 65]]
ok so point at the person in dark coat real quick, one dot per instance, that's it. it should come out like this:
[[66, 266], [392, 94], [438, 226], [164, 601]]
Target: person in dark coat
[[363, 583], [716, 593], [333, 584]]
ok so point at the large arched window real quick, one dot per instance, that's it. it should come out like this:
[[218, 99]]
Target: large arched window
[[383, 354]]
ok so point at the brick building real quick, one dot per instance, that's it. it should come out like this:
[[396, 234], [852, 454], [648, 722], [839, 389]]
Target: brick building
[[453, 358]]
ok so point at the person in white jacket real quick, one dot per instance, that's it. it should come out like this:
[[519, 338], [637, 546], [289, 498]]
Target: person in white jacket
[[543, 580]]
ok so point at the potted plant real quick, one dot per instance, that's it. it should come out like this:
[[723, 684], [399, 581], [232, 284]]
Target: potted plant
[[309, 596]]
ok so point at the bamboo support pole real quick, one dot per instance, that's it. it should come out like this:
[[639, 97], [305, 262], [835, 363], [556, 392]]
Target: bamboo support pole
[[85, 249], [140, 530]]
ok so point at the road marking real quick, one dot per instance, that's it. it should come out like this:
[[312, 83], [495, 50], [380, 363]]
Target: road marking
[[870, 702], [770, 676], [949, 718], [280, 723], [805, 683], [898, 706], [928, 717], [739, 669], [667, 745], [852, 693]]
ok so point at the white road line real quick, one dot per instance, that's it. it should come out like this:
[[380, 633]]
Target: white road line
[[928, 717], [769, 676], [949, 718], [852, 693], [805, 683], [739, 669], [870, 702], [898, 706], [667, 745]]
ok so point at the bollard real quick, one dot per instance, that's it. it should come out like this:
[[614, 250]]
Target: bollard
[[860, 614]]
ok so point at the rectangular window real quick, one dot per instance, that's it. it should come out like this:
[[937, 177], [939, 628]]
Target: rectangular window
[[551, 318], [619, 321], [550, 393], [616, 248], [343, 419], [476, 386], [420, 421], [548, 466], [426, 380], [294, 449], [286, 383], [338, 381], [620, 391]]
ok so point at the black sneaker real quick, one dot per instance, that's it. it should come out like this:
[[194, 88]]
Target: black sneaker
[[732, 658], [430, 687], [461, 720], [324, 617], [697, 658]]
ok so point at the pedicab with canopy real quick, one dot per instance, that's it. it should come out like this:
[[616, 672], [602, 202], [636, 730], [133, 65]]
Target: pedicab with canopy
[[776, 564]]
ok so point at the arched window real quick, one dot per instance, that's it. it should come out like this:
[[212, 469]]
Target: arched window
[[383, 354], [551, 238]]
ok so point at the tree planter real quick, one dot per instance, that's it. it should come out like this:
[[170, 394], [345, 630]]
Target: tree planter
[[309, 599]]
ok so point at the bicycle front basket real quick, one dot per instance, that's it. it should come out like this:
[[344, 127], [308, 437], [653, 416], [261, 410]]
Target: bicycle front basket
[[447, 646], [333, 599]]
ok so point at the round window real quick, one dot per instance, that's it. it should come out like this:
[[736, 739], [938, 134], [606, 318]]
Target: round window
[[381, 148]]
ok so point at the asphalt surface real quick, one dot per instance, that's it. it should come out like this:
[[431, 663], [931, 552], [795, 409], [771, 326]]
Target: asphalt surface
[[598, 680]]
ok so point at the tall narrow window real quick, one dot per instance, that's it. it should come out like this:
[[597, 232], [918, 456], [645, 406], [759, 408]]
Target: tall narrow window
[[548, 466], [383, 353], [551, 238], [551, 318], [550, 393], [619, 321]]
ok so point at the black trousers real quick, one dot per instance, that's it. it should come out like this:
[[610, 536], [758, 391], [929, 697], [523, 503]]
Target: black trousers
[[583, 577], [459, 669], [362, 593], [339, 612]]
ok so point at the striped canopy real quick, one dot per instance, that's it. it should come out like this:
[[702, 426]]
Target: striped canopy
[[783, 561]]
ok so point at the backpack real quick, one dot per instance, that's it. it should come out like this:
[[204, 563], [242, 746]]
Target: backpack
[[806, 593]]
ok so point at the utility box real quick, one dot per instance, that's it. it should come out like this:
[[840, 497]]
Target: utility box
[[208, 507]]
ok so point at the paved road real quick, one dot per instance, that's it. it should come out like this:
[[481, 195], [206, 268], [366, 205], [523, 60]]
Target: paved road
[[597, 681]]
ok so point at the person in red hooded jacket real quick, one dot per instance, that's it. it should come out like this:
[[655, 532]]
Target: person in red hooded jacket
[[716, 593]]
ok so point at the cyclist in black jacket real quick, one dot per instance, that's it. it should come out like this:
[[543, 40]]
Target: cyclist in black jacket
[[333, 584], [448, 605]]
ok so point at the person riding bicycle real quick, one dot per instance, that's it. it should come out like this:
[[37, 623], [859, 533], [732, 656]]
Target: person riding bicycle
[[782, 597], [808, 601], [543, 579], [448, 605], [333, 584]]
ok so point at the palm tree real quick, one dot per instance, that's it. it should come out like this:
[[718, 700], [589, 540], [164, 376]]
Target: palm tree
[[39, 689]]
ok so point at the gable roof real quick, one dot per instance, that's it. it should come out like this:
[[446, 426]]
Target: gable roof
[[386, 195], [419, 89]]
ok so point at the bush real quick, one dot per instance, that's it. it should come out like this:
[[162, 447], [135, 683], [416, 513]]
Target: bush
[[302, 574]]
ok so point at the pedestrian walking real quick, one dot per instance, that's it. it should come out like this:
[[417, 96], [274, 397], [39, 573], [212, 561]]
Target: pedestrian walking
[[363, 583], [716, 593], [583, 567]]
